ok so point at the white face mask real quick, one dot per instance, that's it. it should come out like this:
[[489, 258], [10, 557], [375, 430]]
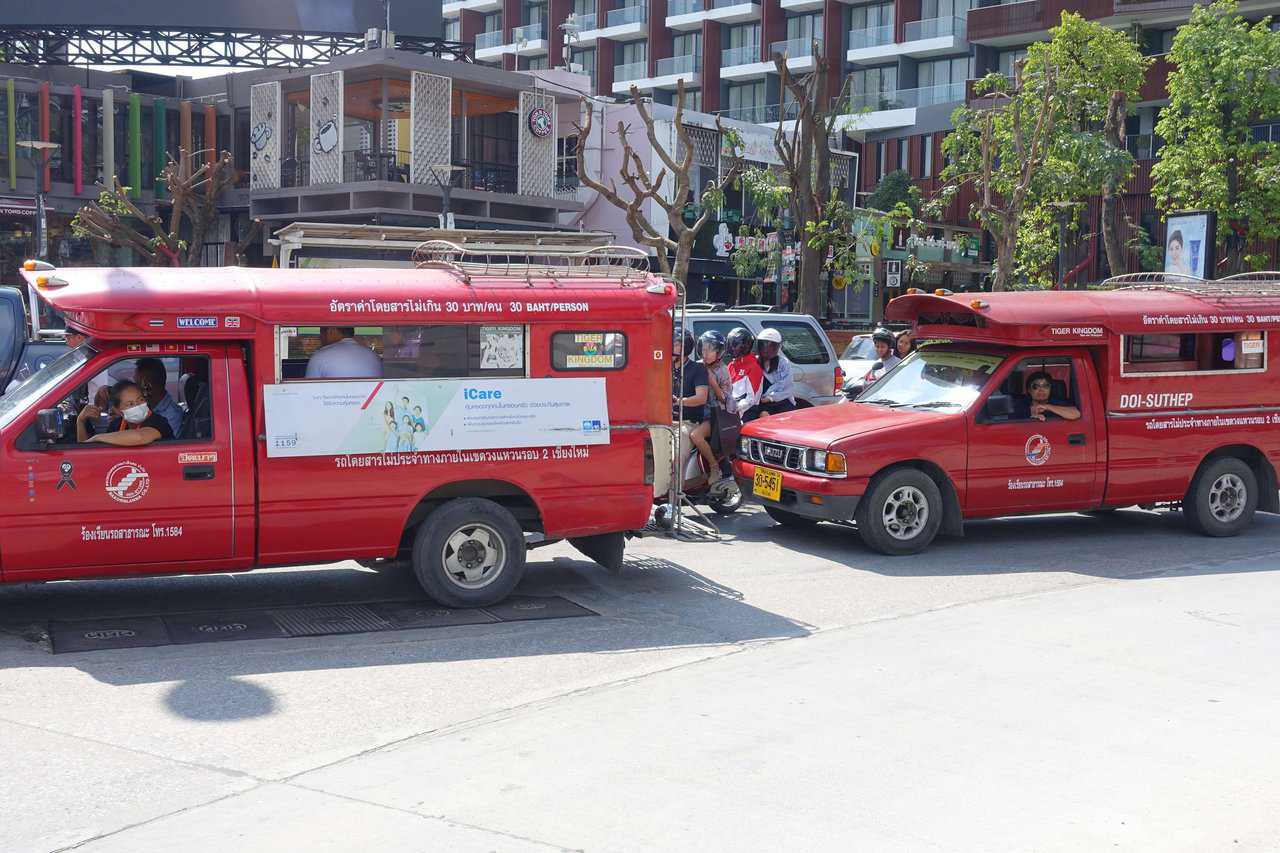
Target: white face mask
[[136, 414]]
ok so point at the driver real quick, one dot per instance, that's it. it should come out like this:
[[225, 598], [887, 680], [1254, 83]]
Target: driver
[[690, 390], [136, 426], [1039, 404], [886, 352]]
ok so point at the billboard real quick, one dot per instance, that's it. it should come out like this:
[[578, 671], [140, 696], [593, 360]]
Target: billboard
[[1189, 243], [307, 16]]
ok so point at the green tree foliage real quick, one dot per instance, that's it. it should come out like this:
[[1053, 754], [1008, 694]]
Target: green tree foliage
[[1225, 78], [895, 187]]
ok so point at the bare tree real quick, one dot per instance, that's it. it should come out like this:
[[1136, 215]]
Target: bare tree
[[805, 153], [115, 220], [671, 188]]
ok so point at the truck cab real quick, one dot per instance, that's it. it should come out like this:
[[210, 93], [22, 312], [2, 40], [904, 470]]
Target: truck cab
[[1024, 403]]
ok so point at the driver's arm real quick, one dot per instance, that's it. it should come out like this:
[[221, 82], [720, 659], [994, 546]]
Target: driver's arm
[[82, 427], [128, 438], [1067, 413]]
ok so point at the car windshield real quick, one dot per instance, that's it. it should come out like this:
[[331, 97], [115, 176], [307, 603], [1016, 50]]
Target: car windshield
[[16, 401], [860, 348], [934, 379]]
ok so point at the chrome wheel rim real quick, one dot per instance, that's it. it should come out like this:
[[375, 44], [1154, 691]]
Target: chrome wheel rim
[[905, 512], [729, 498], [473, 556], [1227, 498]]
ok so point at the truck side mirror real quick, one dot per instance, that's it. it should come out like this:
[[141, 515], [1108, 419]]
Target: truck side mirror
[[49, 423], [999, 406]]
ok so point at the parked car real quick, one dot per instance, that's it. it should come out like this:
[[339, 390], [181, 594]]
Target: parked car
[[21, 356], [818, 375]]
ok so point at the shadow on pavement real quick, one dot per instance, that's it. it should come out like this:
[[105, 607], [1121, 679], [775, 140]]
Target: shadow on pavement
[[1129, 543]]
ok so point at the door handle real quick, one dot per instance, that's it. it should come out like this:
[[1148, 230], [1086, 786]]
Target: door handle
[[197, 472], [1075, 438]]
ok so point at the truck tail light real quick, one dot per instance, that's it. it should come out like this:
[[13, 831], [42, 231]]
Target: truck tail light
[[839, 378], [648, 460]]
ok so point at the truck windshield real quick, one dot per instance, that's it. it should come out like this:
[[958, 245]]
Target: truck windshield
[[933, 378], [16, 401]]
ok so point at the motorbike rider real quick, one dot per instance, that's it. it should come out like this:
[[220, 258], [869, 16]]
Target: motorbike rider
[[711, 346], [690, 390], [777, 395], [745, 373], [887, 353]]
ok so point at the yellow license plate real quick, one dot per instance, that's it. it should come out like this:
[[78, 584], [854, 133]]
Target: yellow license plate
[[767, 484]]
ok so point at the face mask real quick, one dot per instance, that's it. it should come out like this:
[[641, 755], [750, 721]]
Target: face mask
[[136, 414]]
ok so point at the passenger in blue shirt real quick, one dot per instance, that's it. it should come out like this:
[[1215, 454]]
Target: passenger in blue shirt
[[150, 375]]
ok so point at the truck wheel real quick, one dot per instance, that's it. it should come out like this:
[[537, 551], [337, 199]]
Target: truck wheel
[[789, 519], [469, 553], [902, 513], [1222, 498]]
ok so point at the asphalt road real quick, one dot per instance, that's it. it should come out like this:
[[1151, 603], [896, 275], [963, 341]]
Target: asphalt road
[[1057, 683]]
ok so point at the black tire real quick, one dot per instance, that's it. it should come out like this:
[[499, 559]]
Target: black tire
[[905, 494], [1222, 498], [482, 531], [726, 504], [790, 519]]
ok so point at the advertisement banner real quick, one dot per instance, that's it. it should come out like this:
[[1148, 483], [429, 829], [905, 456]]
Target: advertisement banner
[[1190, 243], [410, 415]]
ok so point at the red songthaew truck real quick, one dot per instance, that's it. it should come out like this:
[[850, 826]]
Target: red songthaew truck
[[1152, 394], [500, 409]]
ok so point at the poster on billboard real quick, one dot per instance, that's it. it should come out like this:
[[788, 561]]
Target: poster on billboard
[[411, 415], [1189, 243]]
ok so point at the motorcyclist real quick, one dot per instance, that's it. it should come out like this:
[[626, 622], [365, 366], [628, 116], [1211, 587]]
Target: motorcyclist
[[886, 351], [777, 394], [691, 392], [745, 374], [711, 346]]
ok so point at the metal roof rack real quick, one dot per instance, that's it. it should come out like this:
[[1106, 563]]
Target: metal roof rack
[[1264, 283], [705, 306], [625, 263], [755, 307]]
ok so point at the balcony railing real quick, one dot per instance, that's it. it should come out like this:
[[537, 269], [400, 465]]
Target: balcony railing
[[687, 64], [628, 15], [490, 39], [586, 21], [761, 113], [795, 48], [870, 37], [685, 7], [744, 55], [630, 71], [932, 28], [1007, 19], [1143, 146], [724, 4], [529, 32], [487, 177], [924, 96], [295, 172], [390, 166]]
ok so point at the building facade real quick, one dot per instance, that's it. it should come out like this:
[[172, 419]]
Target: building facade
[[381, 137]]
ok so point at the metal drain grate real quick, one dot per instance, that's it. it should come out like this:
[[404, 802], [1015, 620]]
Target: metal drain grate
[[424, 614], [336, 619], [219, 627], [89, 636], [524, 608]]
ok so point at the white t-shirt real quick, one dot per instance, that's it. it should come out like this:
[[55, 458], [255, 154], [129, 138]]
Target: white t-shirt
[[346, 359]]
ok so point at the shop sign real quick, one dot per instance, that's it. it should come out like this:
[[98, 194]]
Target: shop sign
[[540, 124], [10, 206]]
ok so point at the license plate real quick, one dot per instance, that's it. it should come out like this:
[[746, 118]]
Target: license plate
[[767, 484]]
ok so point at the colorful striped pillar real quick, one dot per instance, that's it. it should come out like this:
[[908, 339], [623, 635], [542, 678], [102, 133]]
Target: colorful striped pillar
[[108, 139], [159, 155], [77, 139], [13, 135], [134, 141], [211, 134], [44, 135]]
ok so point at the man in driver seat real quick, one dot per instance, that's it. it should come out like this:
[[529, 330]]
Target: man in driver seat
[[1039, 404]]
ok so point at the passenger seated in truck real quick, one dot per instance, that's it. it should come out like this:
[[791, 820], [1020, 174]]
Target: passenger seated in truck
[[1040, 403], [136, 426]]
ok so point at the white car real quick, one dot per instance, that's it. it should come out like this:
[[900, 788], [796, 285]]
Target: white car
[[858, 357]]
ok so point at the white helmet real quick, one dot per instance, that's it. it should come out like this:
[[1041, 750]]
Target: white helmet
[[771, 336]]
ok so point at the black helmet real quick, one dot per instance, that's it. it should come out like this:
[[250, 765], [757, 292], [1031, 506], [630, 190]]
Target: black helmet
[[740, 342], [884, 336], [712, 339]]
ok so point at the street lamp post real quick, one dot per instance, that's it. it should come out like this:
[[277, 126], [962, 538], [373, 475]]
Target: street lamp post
[[37, 167]]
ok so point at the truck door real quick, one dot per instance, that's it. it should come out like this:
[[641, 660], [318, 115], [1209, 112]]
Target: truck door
[[1018, 464], [86, 508]]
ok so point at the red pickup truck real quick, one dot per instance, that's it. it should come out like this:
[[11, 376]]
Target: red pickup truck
[[1027, 403]]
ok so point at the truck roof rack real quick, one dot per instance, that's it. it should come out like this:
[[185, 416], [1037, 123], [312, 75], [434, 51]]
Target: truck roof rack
[[755, 307], [1263, 283], [704, 306], [625, 263]]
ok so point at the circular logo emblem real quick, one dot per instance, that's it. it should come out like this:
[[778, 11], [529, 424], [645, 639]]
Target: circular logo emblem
[[540, 122], [127, 482], [1037, 449]]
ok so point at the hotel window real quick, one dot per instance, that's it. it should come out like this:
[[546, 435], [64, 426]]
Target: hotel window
[[882, 159], [453, 30], [806, 27], [534, 63], [492, 23], [870, 82], [871, 17], [587, 59], [943, 9], [926, 155], [687, 44], [746, 98], [534, 13], [941, 72], [632, 52], [692, 100], [904, 147], [743, 35], [1008, 58]]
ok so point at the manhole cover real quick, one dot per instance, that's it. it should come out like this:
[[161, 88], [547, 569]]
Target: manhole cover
[[216, 627], [424, 614], [336, 619], [521, 608], [93, 634]]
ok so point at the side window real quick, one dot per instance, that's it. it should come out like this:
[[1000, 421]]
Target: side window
[[1036, 383], [588, 350], [403, 352], [724, 327], [176, 391], [800, 341], [1197, 352]]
